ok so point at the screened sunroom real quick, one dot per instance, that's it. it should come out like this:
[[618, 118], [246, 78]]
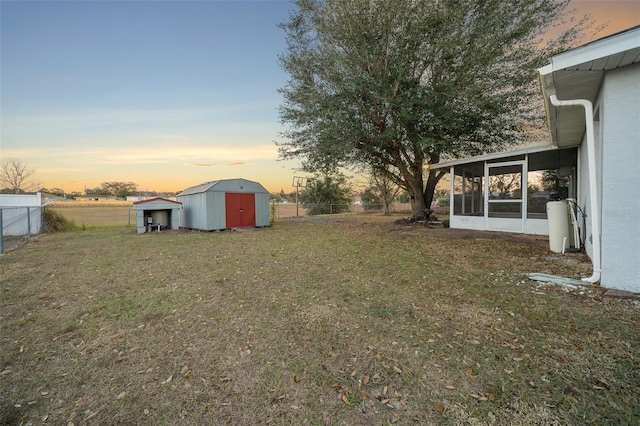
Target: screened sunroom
[[508, 191]]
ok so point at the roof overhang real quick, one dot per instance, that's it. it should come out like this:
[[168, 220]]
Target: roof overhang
[[578, 74], [494, 157]]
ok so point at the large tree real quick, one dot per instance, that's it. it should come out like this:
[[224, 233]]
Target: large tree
[[397, 85], [326, 193], [119, 189], [16, 177]]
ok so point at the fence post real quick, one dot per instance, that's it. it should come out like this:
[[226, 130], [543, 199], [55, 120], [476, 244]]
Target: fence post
[[29, 221], [1, 234], [129, 223]]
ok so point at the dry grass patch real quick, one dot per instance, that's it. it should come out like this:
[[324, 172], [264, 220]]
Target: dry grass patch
[[335, 322], [96, 215]]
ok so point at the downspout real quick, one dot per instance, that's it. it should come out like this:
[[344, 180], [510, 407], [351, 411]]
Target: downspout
[[591, 161]]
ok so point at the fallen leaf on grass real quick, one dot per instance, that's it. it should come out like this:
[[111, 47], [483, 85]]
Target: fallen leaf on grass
[[365, 380], [345, 399], [121, 395], [478, 397], [91, 415], [601, 385], [397, 370], [439, 408], [450, 387], [296, 378]]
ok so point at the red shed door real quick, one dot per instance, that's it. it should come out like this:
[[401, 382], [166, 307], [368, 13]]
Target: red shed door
[[240, 210]]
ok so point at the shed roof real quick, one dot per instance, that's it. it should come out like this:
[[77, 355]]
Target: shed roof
[[578, 74], [155, 200], [221, 185]]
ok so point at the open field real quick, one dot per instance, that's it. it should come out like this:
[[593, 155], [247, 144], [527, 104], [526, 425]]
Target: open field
[[97, 215], [355, 321]]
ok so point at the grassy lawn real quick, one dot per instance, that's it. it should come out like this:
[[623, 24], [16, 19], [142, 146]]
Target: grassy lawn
[[350, 322]]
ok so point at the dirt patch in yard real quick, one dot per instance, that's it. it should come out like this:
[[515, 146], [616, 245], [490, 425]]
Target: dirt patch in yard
[[468, 234]]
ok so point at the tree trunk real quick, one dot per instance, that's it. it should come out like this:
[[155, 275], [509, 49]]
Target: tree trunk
[[387, 208], [432, 182], [418, 205]]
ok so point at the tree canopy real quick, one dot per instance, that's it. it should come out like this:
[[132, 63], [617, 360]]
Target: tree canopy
[[398, 85], [16, 176], [119, 189], [326, 194]]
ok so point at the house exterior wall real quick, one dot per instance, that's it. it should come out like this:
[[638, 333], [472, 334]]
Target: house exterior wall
[[620, 160], [584, 195]]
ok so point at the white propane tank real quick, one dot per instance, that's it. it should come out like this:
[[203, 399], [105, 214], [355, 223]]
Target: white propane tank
[[160, 217], [558, 220]]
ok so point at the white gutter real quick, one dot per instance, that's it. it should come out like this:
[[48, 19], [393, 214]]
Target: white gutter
[[591, 161]]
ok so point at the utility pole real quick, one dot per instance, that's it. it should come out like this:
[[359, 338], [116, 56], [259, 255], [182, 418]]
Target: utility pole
[[298, 182]]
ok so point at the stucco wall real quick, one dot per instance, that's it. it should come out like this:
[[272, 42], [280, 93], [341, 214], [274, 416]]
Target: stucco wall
[[621, 179]]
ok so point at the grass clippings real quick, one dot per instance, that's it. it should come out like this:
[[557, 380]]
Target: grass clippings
[[352, 322]]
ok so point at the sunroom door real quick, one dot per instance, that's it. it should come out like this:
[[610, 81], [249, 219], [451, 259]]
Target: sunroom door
[[505, 209]]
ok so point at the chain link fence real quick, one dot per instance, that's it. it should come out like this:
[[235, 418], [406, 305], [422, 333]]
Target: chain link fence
[[285, 210], [98, 215], [18, 223]]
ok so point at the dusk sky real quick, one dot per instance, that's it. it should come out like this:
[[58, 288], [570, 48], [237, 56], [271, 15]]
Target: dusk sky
[[166, 94]]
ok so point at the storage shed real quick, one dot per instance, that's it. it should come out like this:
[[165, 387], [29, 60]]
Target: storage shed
[[223, 204], [157, 214]]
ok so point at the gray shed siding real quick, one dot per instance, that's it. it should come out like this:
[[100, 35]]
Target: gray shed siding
[[263, 217], [217, 219], [205, 204], [194, 213]]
